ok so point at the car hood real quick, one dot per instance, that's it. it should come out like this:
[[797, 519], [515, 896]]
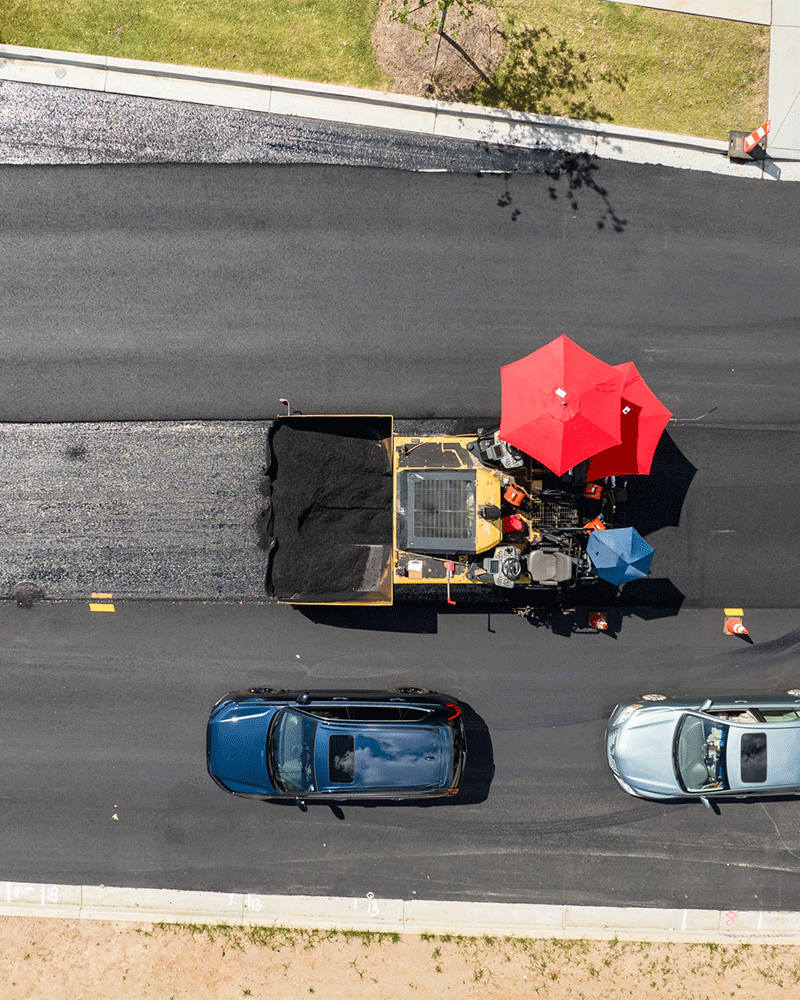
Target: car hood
[[642, 752], [236, 748], [385, 758]]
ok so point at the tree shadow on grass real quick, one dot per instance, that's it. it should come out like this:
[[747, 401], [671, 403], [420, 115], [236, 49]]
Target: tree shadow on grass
[[544, 75]]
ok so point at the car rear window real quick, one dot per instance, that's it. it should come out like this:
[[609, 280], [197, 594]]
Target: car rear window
[[754, 757], [341, 759]]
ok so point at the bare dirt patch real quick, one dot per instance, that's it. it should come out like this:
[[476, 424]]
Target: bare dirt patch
[[94, 960], [447, 66]]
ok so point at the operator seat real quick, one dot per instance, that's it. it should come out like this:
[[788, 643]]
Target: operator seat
[[549, 568]]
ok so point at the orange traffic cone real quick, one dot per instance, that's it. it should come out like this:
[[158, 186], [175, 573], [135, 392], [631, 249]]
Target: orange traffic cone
[[598, 621], [734, 626], [754, 139]]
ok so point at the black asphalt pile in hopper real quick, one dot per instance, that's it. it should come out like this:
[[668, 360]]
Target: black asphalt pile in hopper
[[331, 490]]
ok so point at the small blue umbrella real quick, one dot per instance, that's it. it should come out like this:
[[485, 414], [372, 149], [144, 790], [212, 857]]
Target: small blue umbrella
[[619, 555]]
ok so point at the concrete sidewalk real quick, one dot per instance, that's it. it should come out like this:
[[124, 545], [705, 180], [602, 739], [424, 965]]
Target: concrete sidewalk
[[783, 17], [404, 916], [751, 11], [784, 81]]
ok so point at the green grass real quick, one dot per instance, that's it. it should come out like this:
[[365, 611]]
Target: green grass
[[577, 58], [636, 67], [271, 936], [323, 40]]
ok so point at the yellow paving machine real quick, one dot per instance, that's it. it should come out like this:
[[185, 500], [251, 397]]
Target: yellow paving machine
[[363, 511]]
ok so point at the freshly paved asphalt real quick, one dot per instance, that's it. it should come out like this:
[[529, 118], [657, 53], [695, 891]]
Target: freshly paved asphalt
[[103, 716], [210, 291]]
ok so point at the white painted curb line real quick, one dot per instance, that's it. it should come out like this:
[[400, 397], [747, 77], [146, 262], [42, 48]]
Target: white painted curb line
[[275, 95], [415, 916]]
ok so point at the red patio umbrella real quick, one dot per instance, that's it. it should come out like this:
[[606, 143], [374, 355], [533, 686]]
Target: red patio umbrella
[[642, 421], [561, 404]]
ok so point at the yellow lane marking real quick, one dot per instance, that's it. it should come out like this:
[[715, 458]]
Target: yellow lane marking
[[101, 596], [734, 611], [101, 607]]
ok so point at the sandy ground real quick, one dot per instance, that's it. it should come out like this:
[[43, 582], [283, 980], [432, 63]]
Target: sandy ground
[[88, 960]]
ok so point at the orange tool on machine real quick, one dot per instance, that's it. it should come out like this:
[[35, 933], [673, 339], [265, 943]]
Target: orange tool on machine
[[515, 495], [596, 524]]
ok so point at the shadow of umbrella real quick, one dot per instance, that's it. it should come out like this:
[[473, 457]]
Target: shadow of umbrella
[[656, 501], [651, 598]]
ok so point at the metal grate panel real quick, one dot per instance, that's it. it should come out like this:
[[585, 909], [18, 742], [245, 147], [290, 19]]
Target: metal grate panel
[[440, 506], [552, 513], [440, 511]]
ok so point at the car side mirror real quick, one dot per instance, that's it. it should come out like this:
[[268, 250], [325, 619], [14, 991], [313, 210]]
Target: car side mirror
[[706, 705], [302, 805], [705, 801], [304, 698]]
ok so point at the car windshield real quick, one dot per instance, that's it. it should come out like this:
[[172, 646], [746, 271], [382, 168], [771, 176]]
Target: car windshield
[[290, 752], [699, 754]]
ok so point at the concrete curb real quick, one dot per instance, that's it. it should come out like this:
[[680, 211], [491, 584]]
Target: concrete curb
[[347, 105], [415, 916]]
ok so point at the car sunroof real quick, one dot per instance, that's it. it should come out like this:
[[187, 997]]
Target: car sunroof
[[341, 759], [754, 757]]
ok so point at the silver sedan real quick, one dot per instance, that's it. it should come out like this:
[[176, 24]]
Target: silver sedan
[[661, 748]]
